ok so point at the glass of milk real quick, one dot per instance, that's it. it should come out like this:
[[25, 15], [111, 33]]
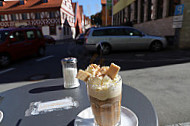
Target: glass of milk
[[69, 66]]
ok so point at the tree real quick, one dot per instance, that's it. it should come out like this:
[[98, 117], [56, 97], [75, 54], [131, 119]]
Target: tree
[[96, 19]]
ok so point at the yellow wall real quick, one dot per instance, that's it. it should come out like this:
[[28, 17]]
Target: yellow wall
[[121, 5], [184, 41]]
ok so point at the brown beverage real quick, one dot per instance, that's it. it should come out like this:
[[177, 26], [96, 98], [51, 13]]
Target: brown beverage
[[107, 112]]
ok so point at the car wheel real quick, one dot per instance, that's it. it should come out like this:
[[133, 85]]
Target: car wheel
[[156, 46], [4, 60], [41, 51], [104, 49]]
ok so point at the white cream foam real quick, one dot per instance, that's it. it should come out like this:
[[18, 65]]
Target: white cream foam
[[104, 88]]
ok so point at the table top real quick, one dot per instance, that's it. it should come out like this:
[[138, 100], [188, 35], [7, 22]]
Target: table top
[[15, 102]]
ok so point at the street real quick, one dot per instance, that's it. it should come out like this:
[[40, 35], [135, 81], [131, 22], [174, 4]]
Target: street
[[48, 67]]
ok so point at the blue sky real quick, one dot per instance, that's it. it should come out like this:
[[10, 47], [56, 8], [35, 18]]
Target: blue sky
[[90, 7]]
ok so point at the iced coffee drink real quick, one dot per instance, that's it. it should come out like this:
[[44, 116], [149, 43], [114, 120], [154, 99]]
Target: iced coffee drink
[[104, 87]]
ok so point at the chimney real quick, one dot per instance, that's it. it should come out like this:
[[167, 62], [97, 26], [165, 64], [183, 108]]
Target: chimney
[[25, 1]]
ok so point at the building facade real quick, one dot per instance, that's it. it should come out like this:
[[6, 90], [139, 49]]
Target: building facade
[[77, 20], [154, 17], [87, 23], [39, 13], [106, 14], [57, 18], [67, 20]]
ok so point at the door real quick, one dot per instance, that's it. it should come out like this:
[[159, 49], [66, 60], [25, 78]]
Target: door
[[17, 47], [137, 39], [32, 41], [118, 38]]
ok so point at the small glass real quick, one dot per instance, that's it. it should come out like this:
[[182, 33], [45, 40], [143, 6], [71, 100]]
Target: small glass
[[69, 66], [107, 112]]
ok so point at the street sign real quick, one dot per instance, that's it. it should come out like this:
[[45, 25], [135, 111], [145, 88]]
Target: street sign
[[177, 24], [178, 18], [179, 9]]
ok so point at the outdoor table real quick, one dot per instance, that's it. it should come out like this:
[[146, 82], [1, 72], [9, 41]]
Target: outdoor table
[[16, 101]]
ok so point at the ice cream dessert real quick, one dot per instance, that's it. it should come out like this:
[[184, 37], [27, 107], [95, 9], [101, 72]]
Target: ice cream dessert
[[104, 87]]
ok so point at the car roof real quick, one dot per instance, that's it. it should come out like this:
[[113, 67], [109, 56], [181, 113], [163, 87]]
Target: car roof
[[13, 29], [108, 27]]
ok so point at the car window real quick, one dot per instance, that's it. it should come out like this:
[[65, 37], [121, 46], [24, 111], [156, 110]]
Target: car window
[[3, 35], [101, 32], [87, 31], [110, 32], [30, 35], [39, 34], [134, 32], [118, 32], [17, 36]]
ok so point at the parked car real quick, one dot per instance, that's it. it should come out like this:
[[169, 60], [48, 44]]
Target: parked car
[[49, 39], [80, 39], [16, 43], [107, 39]]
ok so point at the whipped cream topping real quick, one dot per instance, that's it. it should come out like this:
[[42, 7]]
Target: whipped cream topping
[[100, 85]]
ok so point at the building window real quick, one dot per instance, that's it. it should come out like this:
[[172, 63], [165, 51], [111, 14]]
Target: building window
[[13, 17], [1, 3], [6, 17], [68, 30], [136, 11], [159, 9], [28, 16], [44, 1], [64, 30], [9, 16], [21, 2], [24, 16], [110, 12], [37, 15], [149, 9], [17, 16], [52, 14], [1, 18], [129, 13], [63, 15], [142, 11], [52, 30], [172, 5]]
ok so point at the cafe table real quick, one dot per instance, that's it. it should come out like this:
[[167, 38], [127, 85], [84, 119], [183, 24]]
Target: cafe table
[[16, 103]]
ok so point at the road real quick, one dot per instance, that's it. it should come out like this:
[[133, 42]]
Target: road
[[37, 68]]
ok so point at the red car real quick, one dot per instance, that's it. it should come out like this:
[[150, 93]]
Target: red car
[[49, 39], [16, 43]]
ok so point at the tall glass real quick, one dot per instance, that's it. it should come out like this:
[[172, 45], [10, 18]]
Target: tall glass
[[106, 103]]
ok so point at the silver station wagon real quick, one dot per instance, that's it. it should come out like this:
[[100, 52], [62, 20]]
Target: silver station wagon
[[107, 39]]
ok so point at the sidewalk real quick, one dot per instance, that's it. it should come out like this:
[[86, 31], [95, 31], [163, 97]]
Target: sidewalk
[[167, 88]]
